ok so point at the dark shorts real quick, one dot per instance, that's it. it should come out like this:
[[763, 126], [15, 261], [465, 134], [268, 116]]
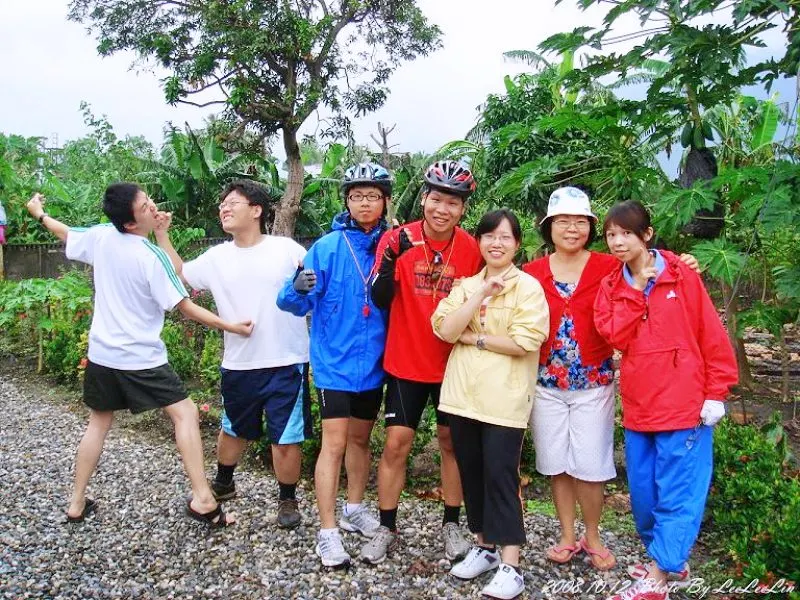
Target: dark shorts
[[107, 389], [406, 401], [335, 404], [279, 395]]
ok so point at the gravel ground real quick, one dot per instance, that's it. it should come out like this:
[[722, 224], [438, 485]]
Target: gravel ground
[[139, 544]]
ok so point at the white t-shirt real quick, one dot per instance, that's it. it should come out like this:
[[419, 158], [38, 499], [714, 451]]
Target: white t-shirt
[[245, 283], [134, 284]]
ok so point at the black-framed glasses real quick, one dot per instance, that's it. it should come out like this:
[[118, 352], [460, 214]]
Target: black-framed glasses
[[371, 197]]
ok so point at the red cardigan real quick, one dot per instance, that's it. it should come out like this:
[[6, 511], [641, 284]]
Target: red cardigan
[[594, 349], [675, 351]]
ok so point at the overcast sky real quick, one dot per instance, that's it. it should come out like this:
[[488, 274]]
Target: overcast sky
[[50, 65]]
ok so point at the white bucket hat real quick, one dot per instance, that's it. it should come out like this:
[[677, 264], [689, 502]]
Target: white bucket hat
[[568, 201]]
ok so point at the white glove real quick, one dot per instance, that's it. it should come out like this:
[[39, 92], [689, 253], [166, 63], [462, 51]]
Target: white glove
[[712, 412]]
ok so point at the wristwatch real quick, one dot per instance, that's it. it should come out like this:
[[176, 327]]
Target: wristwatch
[[42, 216], [480, 343]]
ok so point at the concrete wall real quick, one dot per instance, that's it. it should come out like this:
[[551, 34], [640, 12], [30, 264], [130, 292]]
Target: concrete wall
[[25, 261]]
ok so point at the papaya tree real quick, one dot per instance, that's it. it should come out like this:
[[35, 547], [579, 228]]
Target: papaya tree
[[270, 63]]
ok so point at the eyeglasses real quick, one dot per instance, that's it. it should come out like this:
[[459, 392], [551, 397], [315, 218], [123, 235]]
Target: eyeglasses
[[371, 197], [582, 224], [231, 204], [490, 238]]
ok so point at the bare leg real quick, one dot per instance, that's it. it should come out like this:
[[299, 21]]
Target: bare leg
[[510, 555], [190, 445], [564, 497], [392, 468], [229, 448], [591, 497], [329, 466], [357, 459], [286, 460], [451, 479], [88, 455]]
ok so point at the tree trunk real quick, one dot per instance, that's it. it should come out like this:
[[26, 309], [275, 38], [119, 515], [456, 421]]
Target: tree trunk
[[289, 206], [784, 366], [731, 302]]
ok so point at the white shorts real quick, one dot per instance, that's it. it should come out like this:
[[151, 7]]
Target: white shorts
[[573, 432]]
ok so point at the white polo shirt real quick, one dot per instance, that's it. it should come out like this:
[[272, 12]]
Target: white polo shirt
[[135, 284]]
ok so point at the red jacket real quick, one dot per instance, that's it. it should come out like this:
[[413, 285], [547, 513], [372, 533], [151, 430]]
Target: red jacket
[[594, 349], [675, 351]]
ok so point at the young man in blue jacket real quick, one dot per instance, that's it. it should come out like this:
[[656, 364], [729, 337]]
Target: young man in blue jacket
[[348, 333]]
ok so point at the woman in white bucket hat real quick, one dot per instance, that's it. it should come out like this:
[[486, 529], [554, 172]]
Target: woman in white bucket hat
[[573, 414]]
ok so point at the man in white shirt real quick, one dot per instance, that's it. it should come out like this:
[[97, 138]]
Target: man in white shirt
[[127, 368], [264, 377]]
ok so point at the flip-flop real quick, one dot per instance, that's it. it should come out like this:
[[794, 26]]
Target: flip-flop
[[573, 550], [89, 507], [603, 554], [215, 519]]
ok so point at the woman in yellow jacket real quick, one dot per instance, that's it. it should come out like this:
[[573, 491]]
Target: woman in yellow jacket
[[497, 321]]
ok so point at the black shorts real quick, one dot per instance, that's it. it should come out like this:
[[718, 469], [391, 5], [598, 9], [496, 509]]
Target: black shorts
[[106, 389], [335, 404], [406, 401]]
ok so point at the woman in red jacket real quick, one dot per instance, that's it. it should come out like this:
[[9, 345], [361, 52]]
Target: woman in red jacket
[[677, 368]]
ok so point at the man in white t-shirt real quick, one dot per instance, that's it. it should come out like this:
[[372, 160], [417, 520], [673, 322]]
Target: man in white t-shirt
[[135, 284], [264, 377]]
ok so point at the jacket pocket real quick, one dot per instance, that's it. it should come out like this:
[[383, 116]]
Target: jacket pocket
[[648, 377]]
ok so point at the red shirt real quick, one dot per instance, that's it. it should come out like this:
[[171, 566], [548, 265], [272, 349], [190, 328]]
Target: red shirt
[[675, 351], [594, 349], [412, 351]]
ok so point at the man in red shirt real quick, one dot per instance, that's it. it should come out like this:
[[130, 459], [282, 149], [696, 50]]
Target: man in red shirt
[[417, 266]]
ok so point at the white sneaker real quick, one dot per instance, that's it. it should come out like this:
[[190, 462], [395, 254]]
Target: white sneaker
[[362, 521], [478, 560], [331, 550], [456, 545], [506, 583]]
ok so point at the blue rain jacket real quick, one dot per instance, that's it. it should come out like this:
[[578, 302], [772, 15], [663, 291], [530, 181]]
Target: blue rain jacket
[[346, 345]]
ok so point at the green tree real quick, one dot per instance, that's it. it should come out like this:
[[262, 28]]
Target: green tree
[[271, 63]]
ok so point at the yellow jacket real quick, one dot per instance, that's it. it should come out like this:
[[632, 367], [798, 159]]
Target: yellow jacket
[[488, 386]]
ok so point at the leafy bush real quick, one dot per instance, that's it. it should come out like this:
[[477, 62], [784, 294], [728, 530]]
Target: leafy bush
[[51, 315], [182, 348], [755, 502]]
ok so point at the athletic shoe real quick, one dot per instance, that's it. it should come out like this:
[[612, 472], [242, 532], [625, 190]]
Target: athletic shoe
[[643, 589], [680, 579], [331, 550], [455, 545], [223, 491], [505, 584], [375, 550], [478, 561], [288, 514], [362, 521]]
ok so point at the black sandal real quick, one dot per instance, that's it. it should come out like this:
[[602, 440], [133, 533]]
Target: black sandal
[[214, 519], [88, 508]]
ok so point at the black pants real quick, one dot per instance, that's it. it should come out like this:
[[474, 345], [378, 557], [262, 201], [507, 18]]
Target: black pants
[[488, 462]]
